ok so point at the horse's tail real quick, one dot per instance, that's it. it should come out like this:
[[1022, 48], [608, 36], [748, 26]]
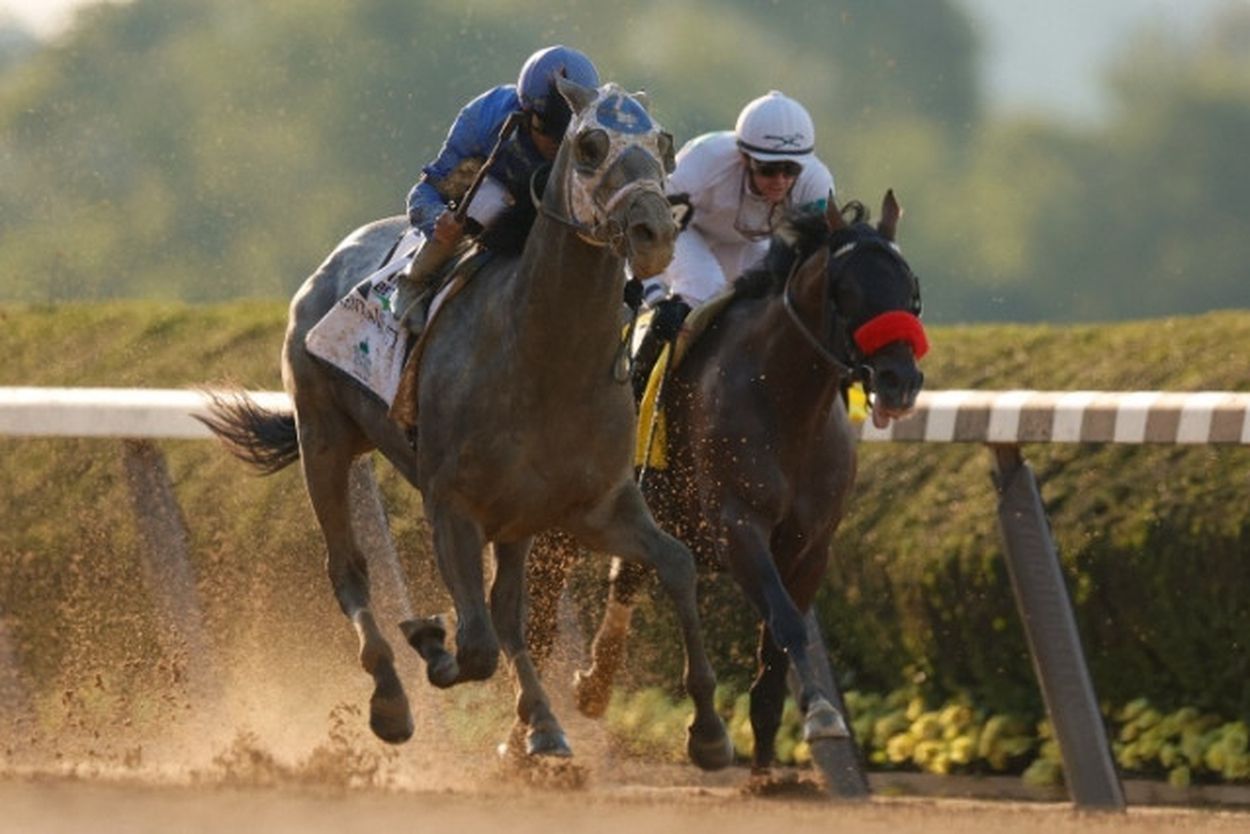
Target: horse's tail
[[263, 438]]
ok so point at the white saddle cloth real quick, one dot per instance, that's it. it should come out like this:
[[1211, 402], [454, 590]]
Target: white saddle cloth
[[363, 335]]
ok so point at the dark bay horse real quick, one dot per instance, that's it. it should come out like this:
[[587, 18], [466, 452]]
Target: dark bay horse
[[761, 454], [521, 426]]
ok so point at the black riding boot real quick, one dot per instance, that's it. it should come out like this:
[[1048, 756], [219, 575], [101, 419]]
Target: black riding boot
[[644, 360], [665, 325]]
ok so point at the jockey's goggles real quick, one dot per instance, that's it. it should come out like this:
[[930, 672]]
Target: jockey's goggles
[[776, 168]]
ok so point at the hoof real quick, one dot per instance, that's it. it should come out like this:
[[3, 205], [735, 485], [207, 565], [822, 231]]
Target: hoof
[[442, 670], [550, 743], [591, 696], [710, 751], [427, 635], [390, 717], [824, 721]]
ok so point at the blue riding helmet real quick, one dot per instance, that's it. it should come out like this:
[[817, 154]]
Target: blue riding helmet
[[536, 84]]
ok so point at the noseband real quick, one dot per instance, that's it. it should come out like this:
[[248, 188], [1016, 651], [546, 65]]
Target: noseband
[[872, 335], [627, 125]]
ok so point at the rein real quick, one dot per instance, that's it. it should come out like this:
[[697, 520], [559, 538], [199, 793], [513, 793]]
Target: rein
[[823, 352], [591, 218], [623, 364], [876, 333], [609, 231]]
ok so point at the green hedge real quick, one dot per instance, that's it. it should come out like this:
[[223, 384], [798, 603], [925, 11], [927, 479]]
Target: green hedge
[[903, 731], [1155, 542]]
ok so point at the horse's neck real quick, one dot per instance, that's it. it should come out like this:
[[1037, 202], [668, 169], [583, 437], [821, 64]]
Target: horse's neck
[[566, 300]]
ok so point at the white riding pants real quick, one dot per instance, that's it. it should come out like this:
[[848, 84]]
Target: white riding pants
[[489, 201], [701, 268]]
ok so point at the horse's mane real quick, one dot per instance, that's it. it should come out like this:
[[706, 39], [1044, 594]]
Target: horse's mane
[[800, 233]]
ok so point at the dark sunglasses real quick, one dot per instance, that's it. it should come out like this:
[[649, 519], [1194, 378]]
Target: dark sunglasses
[[784, 168]]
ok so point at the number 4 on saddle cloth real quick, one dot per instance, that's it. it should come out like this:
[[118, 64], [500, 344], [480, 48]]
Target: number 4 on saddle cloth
[[651, 442], [371, 331]]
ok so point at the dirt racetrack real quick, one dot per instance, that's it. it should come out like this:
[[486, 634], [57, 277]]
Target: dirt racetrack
[[274, 752], [268, 734], [249, 773], [282, 745], [51, 806]]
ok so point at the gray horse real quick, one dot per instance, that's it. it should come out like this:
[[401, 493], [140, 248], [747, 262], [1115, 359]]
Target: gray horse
[[521, 426]]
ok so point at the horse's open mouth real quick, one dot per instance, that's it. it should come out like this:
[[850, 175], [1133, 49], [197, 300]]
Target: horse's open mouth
[[882, 414]]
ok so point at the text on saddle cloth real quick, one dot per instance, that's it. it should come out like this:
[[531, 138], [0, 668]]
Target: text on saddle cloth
[[364, 334]]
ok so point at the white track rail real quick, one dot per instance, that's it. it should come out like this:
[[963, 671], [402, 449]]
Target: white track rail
[[111, 412], [1012, 417]]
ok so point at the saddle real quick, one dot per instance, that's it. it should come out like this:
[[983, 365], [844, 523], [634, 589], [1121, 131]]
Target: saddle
[[651, 442], [373, 332]]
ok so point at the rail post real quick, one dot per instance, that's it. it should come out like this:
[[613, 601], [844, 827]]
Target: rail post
[[166, 551], [838, 759], [1054, 642]]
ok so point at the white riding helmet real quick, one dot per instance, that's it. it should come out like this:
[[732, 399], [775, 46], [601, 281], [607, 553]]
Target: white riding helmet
[[775, 127]]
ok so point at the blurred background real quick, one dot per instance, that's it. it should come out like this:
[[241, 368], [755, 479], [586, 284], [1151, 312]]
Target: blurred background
[[177, 167], [1061, 161]]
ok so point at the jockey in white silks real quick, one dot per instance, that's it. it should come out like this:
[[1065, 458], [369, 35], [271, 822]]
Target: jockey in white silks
[[739, 185]]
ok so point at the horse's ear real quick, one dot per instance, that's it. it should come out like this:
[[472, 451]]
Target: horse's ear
[[578, 96], [643, 98], [667, 155], [833, 215], [891, 211]]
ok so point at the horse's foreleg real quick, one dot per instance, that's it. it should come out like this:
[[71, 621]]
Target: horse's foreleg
[[593, 687], [458, 543], [326, 474], [750, 560], [622, 525], [545, 736]]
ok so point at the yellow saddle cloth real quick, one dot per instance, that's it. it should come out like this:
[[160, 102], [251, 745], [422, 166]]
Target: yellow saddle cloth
[[651, 445]]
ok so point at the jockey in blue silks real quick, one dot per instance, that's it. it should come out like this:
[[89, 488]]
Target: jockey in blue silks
[[543, 118]]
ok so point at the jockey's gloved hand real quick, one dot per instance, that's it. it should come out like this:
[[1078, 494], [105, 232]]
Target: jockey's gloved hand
[[669, 315]]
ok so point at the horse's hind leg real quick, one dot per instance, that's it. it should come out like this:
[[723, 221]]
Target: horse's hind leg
[[593, 687], [546, 572], [768, 698], [622, 525], [544, 736], [326, 473]]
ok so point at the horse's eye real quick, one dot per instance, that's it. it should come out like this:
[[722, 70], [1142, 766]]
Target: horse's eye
[[592, 147]]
